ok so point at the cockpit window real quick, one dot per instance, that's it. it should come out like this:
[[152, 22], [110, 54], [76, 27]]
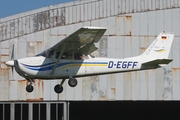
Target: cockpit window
[[57, 55], [50, 54], [64, 56], [47, 53], [78, 56]]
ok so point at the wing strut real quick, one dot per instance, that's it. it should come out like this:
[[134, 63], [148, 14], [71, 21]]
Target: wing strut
[[62, 51]]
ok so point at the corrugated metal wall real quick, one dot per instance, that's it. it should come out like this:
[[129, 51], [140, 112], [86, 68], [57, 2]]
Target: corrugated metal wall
[[132, 26], [75, 12]]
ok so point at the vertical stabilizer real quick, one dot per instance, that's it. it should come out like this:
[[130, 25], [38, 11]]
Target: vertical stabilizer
[[159, 49]]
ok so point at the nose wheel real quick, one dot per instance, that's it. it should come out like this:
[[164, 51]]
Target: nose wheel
[[30, 88]]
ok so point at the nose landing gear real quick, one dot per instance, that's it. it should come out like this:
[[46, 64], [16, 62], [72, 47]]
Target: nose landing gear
[[30, 88]]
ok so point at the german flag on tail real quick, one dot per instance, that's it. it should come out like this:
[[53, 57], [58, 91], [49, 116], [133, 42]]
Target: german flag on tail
[[163, 37]]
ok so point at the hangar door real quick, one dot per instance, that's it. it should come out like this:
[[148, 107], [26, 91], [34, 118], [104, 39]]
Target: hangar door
[[33, 111]]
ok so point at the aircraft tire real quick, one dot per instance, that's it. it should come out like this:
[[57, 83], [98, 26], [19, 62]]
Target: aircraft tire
[[29, 88], [58, 89], [72, 82]]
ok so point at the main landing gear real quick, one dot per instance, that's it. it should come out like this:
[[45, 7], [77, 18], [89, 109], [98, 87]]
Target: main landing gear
[[59, 88]]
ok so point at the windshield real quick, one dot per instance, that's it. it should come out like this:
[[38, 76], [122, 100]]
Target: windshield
[[47, 53]]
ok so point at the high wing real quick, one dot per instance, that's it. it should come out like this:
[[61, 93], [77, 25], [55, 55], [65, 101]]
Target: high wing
[[82, 41]]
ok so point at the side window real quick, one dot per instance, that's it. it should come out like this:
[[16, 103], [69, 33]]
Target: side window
[[50, 55], [64, 56], [78, 56], [67, 56], [57, 55]]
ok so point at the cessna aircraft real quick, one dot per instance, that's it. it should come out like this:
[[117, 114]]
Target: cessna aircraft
[[71, 58]]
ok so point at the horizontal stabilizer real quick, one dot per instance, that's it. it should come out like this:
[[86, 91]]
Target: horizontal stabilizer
[[159, 62]]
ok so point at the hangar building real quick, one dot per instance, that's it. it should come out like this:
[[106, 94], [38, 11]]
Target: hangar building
[[132, 26]]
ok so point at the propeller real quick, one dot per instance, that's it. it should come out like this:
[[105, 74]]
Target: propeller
[[10, 63], [12, 58], [12, 53]]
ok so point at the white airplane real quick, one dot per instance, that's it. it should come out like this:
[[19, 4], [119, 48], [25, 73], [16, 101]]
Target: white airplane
[[70, 58]]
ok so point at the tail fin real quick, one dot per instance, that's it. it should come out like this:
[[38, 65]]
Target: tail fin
[[159, 49]]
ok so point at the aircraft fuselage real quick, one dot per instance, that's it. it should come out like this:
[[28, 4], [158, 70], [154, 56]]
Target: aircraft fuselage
[[41, 67]]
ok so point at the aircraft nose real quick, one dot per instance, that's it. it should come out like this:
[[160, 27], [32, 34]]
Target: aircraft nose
[[10, 63]]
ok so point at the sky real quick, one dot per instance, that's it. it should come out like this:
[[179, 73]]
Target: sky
[[12, 7]]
